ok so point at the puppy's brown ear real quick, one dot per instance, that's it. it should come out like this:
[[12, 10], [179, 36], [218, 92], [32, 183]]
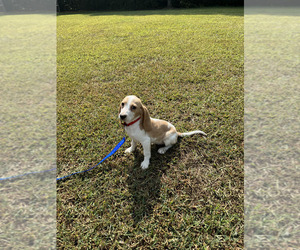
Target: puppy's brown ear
[[146, 121]]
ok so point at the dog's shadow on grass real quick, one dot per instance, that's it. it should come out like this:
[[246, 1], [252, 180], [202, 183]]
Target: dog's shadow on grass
[[145, 185]]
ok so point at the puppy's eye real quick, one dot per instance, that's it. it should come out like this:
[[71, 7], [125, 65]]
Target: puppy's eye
[[133, 107], [122, 104]]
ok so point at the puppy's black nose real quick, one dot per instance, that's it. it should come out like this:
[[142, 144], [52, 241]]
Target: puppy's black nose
[[123, 117]]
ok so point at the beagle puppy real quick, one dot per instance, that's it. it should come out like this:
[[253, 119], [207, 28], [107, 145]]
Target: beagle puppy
[[140, 127]]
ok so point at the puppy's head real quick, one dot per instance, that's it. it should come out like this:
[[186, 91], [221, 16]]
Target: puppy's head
[[131, 108]]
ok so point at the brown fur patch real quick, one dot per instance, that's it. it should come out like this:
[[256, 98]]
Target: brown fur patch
[[146, 120], [160, 129]]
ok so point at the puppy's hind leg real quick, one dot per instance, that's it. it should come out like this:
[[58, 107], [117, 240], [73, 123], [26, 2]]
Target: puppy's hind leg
[[164, 149], [169, 142]]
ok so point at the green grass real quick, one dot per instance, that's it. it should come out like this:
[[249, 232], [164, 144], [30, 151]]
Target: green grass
[[272, 129], [187, 67], [28, 142]]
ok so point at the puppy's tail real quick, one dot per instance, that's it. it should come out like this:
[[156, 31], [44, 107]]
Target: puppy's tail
[[192, 133]]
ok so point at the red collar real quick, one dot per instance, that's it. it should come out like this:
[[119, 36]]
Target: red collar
[[128, 124]]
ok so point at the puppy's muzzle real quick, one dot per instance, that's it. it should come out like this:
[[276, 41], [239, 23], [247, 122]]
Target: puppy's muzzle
[[122, 117]]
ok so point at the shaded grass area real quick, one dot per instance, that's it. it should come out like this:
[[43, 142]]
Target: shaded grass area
[[187, 69]]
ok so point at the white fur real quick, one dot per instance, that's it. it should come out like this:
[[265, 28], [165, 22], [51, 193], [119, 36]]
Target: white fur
[[138, 135]]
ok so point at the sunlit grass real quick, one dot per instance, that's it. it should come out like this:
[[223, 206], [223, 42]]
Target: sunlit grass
[[187, 67], [272, 128], [28, 122]]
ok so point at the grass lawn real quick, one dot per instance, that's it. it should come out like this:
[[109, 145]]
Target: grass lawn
[[272, 196], [187, 67], [28, 129]]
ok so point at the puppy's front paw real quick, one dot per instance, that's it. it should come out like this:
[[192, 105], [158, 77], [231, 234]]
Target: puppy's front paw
[[129, 150], [145, 164]]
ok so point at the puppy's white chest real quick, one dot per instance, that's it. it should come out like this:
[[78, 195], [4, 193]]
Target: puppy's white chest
[[134, 131]]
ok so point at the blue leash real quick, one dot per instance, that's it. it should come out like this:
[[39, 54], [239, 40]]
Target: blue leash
[[60, 178], [21, 175], [110, 154]]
